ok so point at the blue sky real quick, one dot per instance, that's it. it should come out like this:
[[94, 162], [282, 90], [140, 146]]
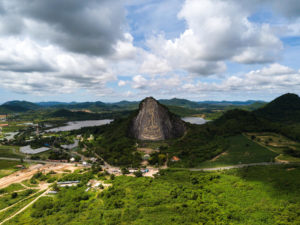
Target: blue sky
[[114, 50]]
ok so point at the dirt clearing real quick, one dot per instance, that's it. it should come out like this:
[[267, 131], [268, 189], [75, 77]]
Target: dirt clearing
[[26, 174]]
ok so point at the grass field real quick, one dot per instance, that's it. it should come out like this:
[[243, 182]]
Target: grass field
[[11, 188], [14, 126], [241, 150], [276, 143], [255, 195], [8, 200], [7, 167], [19, 205], [29, 184], [10, 151]]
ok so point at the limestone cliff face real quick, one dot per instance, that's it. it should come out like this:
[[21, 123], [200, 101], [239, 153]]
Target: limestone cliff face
[[154, 122]]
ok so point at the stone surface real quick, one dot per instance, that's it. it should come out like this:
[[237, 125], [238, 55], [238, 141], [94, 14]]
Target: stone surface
[[154, 122]]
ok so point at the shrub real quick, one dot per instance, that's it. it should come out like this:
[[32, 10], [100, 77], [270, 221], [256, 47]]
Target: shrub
[[138, 173], [14, 195], [112, 176]]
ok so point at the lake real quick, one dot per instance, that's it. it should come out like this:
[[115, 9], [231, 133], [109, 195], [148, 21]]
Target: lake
[[10, 136], [28, 150], [71, 146], [194, 120], [75, 125]]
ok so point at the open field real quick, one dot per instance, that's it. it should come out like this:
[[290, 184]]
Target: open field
[[241, 150], [10, 151], [276, 143], [7, 167], [14, 126], [18, 190], [28, 173], [11, 188]]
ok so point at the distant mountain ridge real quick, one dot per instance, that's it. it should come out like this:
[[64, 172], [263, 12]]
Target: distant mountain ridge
[[248, 102], [25, 106]]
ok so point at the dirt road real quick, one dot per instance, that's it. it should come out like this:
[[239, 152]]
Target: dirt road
[[26, 174]]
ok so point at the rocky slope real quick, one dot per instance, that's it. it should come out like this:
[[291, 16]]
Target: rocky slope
[[154, 122]]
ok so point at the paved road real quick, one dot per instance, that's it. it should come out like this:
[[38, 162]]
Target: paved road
[[34, 161], [113, 168], [240, 166]]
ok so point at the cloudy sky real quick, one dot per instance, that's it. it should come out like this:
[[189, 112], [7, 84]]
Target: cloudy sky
[[110, 50]]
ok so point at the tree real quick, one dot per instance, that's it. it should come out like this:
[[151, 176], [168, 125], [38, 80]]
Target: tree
[[96, 168], [55, 187], [14, 195], [138, 173], [124, 170], [112, 176]]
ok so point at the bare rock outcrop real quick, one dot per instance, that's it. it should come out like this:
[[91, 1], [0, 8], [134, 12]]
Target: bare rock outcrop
[[154, 122]]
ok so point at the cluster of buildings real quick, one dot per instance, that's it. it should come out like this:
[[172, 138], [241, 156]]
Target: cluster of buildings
[[3, 117]]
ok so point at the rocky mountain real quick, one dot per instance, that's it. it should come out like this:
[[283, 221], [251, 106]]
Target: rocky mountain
[[154, 122]]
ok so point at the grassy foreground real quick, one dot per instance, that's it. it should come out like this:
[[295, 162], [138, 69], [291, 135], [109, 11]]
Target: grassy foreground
[[256, 195]]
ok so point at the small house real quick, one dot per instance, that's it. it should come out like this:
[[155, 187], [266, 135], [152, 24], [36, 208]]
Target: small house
[[3, 117], [175, 159], [146, 157], [20, 166]]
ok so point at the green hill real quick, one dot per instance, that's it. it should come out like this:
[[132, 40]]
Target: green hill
[[18, 106], [285, 108], [81, 115], [180, 103]]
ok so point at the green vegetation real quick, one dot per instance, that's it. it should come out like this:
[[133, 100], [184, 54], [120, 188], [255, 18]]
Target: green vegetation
[[182, 111], [10, 151], [112, 142], [285, 108], [289, 150], [11, 188], [7, 167], [80, 115], [27, 183], [241, 150], [16, 207], [255, 195], [199, 144], [17, 106], [14, 197]]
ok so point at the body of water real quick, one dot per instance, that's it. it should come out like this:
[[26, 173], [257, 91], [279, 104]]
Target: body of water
[[194, 120], [28, 150], [9, 136], [71, 146], [75, 125]]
